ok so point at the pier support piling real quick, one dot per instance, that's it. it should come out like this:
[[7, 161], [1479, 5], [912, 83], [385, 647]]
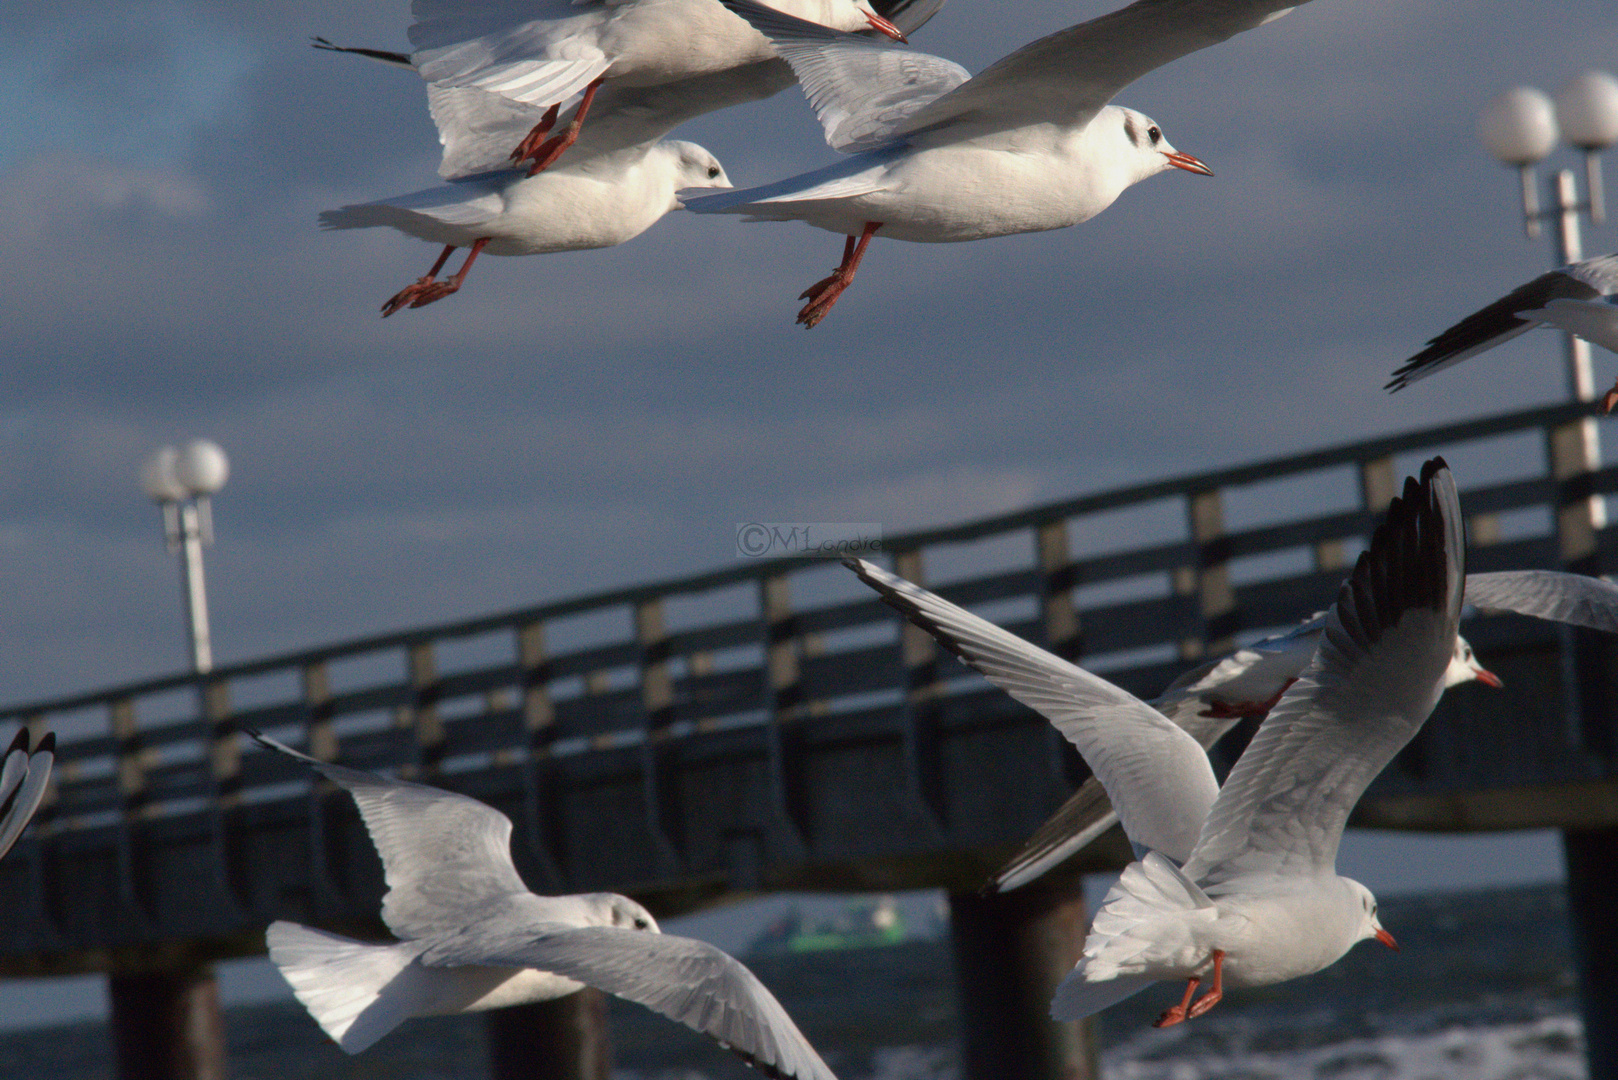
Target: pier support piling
[[564, 1039], [166, 1024], [1011, 951], [1592, 870]]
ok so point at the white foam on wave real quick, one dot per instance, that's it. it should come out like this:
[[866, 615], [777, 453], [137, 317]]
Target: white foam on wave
[[1546, 1048]]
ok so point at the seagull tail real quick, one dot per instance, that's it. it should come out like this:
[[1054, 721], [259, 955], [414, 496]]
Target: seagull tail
[[355, 991]]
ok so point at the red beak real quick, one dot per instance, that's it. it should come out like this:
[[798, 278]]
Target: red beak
[[1387, 939], [1489, 678], [879, 23], [1188, 163]]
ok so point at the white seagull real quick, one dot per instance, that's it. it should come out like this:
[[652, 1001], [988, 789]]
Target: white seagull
[[24, 774], [1210, 699], [1577, 298], [552, 54], [591, 202], [940, 156], [473, 937], [1206, 701], [1239, 885]]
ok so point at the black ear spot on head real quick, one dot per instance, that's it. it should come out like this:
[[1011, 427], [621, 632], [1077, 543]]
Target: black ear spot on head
[[1130, 130]]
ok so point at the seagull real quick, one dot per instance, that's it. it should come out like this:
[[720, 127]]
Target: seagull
[[472, 937], [940, 156], [1207, 702], [1210, 699], [555, 54], [596, 201], [23, 776], [1578, 298], [1238, 885]]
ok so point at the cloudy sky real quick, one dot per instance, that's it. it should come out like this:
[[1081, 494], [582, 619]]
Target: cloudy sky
[[581, 421]]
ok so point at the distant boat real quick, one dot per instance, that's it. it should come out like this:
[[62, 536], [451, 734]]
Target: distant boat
[[860, 925]]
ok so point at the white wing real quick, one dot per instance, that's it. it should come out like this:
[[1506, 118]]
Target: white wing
[[445, 857], [23, 777], [861, 89], [1546, 594], [1593, 320], [534, 51], [1156, 775], [689, 981], [1378, 673], [1068, 76], [1206, 701]]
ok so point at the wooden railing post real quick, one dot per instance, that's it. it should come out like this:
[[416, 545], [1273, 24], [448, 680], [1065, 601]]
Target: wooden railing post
[[1216, 598], [783, 687], [541, 805], [657, 698], [918, 658], [425, 719]]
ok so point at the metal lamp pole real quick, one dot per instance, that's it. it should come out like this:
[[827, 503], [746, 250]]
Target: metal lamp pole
[[1521, 127], [181, 481]]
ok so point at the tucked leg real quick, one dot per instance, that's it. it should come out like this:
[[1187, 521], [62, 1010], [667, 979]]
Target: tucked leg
[[546, 153], [824, 293], [407, 295], [1609, 399], [444, 288], [536, 138], [1178, 1013], [1236, 710], [1216, 992]]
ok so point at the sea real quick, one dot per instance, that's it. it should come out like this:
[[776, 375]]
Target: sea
[[1482, 989]]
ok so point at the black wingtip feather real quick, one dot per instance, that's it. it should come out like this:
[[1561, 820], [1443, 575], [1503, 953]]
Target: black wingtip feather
[[1406, 565], [907, 607]]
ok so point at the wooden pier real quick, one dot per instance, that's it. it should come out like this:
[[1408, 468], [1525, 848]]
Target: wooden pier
[[771, 725]]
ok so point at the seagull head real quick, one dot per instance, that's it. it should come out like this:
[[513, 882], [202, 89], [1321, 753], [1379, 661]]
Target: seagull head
[[1464, 667], [1145, 144], [614, 910], [695, 167], [1369, 927]]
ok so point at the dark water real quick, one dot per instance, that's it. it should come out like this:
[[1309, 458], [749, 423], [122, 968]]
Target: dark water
[[1481, 989]]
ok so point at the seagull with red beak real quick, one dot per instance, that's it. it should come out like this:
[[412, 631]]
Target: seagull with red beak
[[941, 156]]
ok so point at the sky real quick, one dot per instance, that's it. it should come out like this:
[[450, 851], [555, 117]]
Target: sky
[[576, 422]]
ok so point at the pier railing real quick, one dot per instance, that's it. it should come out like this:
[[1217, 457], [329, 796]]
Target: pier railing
[[770, 722]]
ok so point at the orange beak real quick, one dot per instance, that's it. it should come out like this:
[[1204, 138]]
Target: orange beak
[[879, 23], [1387, 939], [1188, 163], [1489, 678]]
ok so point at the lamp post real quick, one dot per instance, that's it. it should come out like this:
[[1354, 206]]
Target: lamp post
[[181, 482], [1520, 128]]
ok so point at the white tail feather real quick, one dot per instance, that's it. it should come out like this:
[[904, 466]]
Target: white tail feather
[[355, 991], [1077, 998]]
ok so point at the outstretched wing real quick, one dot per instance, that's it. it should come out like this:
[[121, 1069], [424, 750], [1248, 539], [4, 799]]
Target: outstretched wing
[[690, 981], [446, 858], [1157, 776], [1377, 675], [1546, 594], [24, 774], [862, 88], [1068, 76]]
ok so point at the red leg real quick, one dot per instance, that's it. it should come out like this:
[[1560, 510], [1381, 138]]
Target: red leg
[[546, 153], [533, 140], [824, 293], [444, 288], [1216, 992], [1175, 1015], [1609, 399], [1235, 710], [407, 295]]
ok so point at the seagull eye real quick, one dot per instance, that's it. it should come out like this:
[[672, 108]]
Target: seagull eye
[[1154, 134], [640, 924], [713, 171]]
